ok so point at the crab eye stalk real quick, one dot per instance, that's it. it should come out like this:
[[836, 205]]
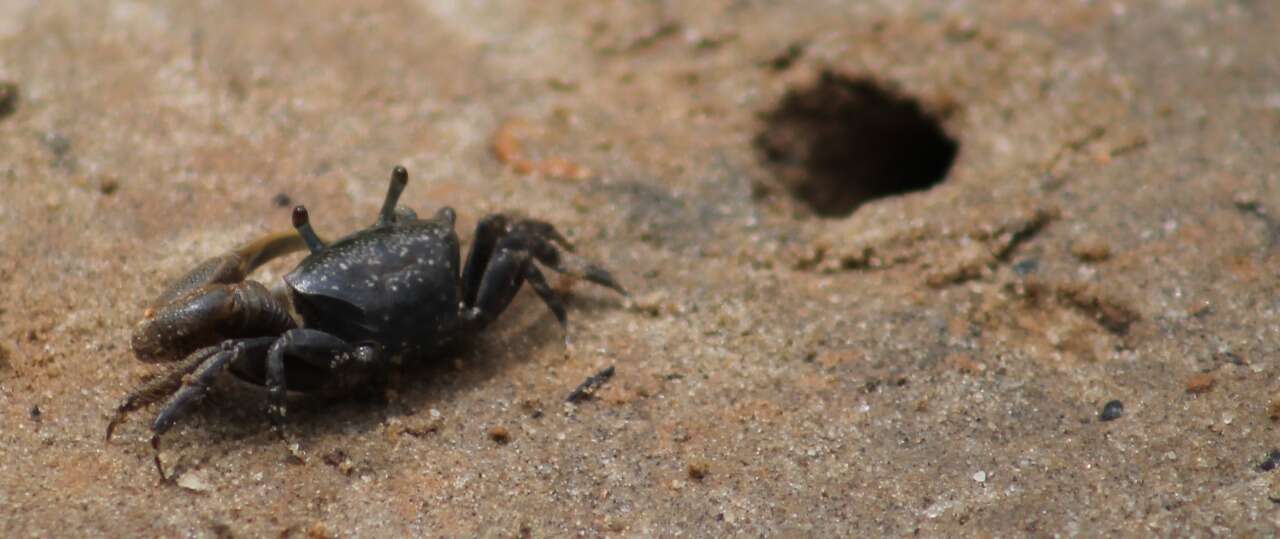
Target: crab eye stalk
[[302, 222], [399, 178]]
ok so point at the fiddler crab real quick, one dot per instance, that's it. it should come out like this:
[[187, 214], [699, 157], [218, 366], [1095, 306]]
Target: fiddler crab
[[361, 304]]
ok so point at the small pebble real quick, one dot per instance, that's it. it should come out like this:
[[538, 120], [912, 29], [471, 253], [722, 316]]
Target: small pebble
[[1272, 460], [788, 57], [319, 531], [499, 434], [1273, 409], [652, 303], [108, 185], [338, 459], [1091, 248], [698, 469], [1246, 200], [8, 98], [194, 481], [57, 143], [1273, 489], [1026, 266], [1232, 358], [281, 200], [1111, 410], [964, 364], [533, 407], [1200, 383], [980, 477]]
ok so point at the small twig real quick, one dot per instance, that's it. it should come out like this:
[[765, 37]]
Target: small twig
[[1074, 146], [588, 387]]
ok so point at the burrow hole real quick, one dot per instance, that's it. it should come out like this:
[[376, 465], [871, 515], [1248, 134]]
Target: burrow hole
[[845, 141]]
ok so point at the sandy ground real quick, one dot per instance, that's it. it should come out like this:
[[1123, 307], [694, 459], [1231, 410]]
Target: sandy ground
[[932, 363]]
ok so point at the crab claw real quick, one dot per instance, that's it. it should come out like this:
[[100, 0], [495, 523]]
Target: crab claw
[[205, 316]]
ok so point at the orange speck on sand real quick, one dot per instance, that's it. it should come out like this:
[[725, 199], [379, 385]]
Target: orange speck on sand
[[1200, 383], [508, 150]]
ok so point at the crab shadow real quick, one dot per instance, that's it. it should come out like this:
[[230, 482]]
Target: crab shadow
[[233, 416]]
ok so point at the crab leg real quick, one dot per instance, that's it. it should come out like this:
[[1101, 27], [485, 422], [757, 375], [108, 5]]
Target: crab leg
[[315, 348], [488, 231], [539, 239], [508, 268], [158, 388], [503, 277], [544, 291], [195, 384]]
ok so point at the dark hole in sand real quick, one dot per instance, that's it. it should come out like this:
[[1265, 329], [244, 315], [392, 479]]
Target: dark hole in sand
[[845, 141]]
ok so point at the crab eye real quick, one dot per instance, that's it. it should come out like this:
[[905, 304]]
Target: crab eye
[[399, 179], [300, 216], [302, 222]]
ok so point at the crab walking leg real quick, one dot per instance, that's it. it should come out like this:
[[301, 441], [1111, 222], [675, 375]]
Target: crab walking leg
[[234, 266], [503, 277], [315, 348], [488, 231], [567, 263], [549, 296], [196, 385], [160, 387], [540, 229], [508, 269], [540, 239]]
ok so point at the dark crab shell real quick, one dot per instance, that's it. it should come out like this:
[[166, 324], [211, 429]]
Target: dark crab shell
[[396, 285]]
